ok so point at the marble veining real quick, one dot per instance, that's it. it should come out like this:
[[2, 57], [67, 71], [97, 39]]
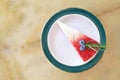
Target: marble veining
[[21, 55]]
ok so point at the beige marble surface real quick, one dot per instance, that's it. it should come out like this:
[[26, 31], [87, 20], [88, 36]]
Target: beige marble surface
[[21, 55]]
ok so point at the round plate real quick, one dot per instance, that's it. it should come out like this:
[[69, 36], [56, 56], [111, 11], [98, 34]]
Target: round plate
[[57, 46]]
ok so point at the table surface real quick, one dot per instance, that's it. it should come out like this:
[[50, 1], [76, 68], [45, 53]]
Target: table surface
[[21, 55]]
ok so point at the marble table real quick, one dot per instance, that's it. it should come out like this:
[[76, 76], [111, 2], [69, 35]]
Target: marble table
[[21, 55]]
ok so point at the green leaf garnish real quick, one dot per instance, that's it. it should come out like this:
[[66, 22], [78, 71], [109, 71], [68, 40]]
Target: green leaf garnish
[[95, 46]]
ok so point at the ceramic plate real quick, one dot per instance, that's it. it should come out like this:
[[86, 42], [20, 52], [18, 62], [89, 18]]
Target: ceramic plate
[[60, 36]]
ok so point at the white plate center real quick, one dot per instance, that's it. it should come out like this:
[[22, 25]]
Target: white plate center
[[60, 46]]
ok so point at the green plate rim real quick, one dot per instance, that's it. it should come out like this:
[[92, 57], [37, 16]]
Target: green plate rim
[[45, 38]]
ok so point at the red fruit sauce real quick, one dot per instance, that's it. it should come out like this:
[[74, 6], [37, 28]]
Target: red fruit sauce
[[87, 53]]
